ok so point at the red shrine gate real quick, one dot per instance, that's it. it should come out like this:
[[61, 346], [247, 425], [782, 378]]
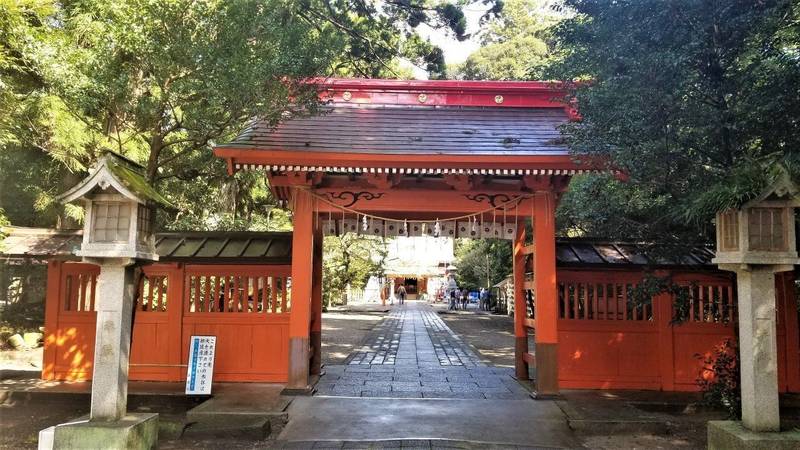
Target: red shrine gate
[[474, 159], [405, 151]]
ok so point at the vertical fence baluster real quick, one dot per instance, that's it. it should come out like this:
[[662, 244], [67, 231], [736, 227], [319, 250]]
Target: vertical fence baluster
[[152, 289], [615, 300], [701, 300], [81, 289], [731, 304], [92, 287], [264, 294], [161, 301], [273, 287]]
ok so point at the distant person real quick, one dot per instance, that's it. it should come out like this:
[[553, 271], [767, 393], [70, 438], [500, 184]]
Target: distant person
[[401, 294], [453, 297], [465, 298], [485, 299]]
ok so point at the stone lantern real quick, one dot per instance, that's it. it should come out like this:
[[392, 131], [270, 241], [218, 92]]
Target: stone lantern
[[120, 211], [762, 231], [756, 241], [118, 233]]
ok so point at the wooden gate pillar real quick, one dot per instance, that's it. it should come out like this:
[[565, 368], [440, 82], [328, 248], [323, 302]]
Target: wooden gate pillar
[[545, 289], [51, 312], [520, 308], [302, 282], [316, 303]]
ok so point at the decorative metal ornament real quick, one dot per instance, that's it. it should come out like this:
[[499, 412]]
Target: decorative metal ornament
[[495, 200], [498, 99], [346, 95], [437, 229], [353, 197], [422, 98], [364, 224]]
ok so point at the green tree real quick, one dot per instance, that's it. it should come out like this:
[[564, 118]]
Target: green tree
[[514, 45], [696, 101], [482, 262], [350, 260], [161, 81]]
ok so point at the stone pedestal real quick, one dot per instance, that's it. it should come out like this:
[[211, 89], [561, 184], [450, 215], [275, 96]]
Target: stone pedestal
[[115, 291], [730, 435], [758, 348], [131, 432]]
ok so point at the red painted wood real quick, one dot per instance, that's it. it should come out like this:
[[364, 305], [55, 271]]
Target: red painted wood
[[69, 349], [252, 343], [626, 351], [788, 306], [520, 309], [374, 160], [52, 302]]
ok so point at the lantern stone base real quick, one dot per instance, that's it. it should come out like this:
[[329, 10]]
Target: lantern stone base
[[731, 435], [134, 431]]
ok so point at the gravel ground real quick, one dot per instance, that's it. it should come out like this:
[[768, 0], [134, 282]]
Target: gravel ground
[[492, 335], [343, 330], [27, 359]]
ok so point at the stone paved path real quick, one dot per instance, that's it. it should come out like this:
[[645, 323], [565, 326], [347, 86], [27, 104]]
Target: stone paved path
[[414, 354]]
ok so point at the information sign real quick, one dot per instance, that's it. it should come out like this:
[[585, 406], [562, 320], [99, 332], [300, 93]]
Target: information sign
[[201, 365]]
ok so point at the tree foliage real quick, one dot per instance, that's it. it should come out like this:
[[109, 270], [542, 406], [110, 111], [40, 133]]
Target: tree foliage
[[350, 260], [515, 43], [161, 81], [482, 262], [695, 100]]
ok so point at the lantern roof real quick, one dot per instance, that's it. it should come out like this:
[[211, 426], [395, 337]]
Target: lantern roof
[[120, 173], [782, 189]]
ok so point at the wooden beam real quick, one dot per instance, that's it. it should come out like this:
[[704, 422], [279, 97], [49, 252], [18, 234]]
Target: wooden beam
[[443, 203], [460, 182], [380, 160], [530, 323], [529, 358], [546, 294], [302, 287], [520, 307]]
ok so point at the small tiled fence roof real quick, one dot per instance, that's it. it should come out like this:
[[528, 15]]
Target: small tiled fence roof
[[200, 246], [276, 248]]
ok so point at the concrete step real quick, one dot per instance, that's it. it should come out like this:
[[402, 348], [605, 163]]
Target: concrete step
[[229, 427], [245, 410]]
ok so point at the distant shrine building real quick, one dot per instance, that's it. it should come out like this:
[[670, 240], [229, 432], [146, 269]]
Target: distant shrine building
[[420, 264]]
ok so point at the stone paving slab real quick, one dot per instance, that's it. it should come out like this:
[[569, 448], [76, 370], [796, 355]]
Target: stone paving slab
[[413, 353], [501, 422], [435, 444]]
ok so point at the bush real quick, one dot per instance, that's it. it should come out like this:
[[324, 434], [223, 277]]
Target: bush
[[719, 380], [22, 317]]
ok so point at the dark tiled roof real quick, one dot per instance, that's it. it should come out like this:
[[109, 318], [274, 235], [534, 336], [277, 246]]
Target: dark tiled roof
[[200, 247], [360, 128], [583, 253], [220, 246]]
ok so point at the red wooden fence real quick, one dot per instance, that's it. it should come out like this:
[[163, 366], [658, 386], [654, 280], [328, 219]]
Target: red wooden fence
[[608, 341], [605, 340], [246, 307]]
